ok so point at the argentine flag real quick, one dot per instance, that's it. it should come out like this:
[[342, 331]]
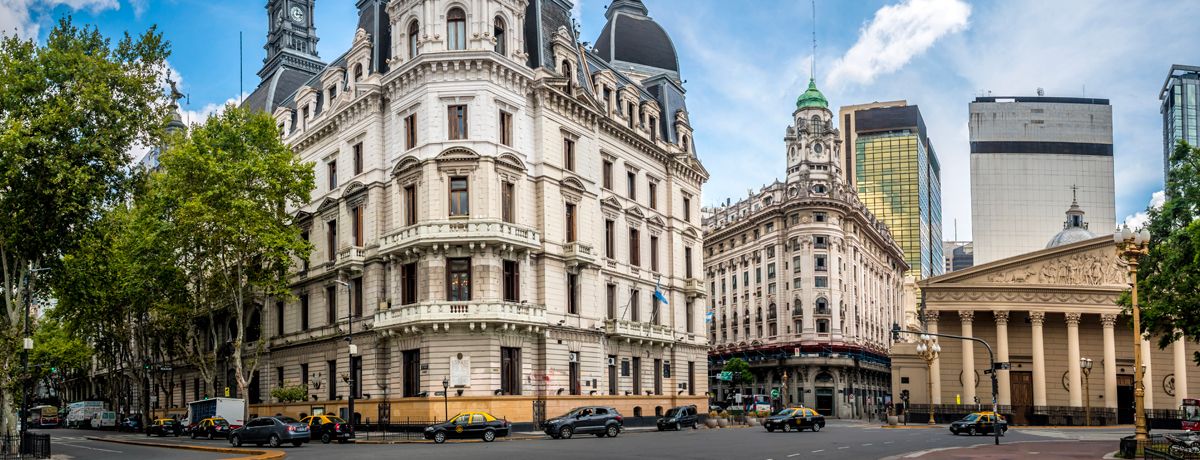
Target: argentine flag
[[661, 298], [708, 317]]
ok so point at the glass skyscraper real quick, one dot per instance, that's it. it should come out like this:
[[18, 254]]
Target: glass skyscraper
[[1180, 98], [899, 179]]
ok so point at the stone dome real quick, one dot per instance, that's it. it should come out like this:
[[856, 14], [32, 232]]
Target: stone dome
[[1075, 229], [812, 98]]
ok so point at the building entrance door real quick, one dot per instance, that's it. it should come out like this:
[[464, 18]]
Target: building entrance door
[[1125, 403], [1021, 389], [825, 401]]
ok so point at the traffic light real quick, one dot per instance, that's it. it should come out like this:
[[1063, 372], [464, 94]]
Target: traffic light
[[895, 332]]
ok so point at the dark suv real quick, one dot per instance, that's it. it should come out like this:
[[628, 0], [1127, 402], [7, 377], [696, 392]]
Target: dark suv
[[598, 420], [272, 431], [678, 417]]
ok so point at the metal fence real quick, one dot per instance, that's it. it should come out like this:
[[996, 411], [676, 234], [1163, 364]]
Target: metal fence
[[36, 446], [1161, 446], [398, 430]]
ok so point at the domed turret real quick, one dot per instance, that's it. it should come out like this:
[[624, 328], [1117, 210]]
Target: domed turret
[[1075, 229], [812, 98], [632, 41]]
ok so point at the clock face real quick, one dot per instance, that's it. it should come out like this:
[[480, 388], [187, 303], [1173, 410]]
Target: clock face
[[297, 14]]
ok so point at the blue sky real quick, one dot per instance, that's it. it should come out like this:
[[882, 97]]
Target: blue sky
[[746, 61]]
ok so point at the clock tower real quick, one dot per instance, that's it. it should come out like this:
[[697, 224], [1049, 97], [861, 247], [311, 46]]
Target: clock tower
[[291, 38]]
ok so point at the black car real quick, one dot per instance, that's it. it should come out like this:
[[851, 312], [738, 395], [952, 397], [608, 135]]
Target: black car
[[130, 424], [678, 417], [272, 431], [468, 425], [212, 427], [164, 427], [598, 420], [979, 422], [328, 428], [795, 418]]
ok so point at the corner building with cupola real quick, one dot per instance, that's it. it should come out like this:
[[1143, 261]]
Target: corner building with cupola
[[496, 207], [804, 280]]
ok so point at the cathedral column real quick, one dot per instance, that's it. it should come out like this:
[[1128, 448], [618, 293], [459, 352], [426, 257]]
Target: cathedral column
[[935, 368], [968, 355], [1004, 394], [1147, 378], [1036, 318], [1110, 361], [1075, 374], [1181, 366]]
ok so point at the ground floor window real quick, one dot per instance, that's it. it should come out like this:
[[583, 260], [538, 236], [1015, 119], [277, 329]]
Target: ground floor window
[[510, 371], [412, 373]]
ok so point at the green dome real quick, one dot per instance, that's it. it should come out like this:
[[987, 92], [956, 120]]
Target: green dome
[[812, 98]]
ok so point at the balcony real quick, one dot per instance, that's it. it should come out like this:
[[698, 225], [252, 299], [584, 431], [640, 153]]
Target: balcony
[[476, 233], [694, 288], [639, 331], [350, 258], [578, 254], [439, 315]]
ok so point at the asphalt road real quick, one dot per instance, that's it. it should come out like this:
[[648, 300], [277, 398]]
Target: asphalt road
[[839, 440]]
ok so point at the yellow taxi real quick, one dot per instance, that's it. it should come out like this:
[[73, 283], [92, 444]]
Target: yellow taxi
[[328, 428], [467, 425], [979, 423], [795, 418]]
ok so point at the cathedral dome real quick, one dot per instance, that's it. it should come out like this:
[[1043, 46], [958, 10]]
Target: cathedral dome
[[631, 37], [812, 98], [1074, 229]]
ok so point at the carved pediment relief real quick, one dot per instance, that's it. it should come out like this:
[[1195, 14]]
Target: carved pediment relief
[[354, 188], [656, 221], [511, 161], [573, 184], [457, 154], [1084, 267], [612, 203], [405, 164], [326, 205], [635, 212], [691, 233]]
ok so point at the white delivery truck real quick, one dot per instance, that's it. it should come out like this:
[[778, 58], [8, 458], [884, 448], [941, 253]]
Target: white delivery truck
[[233, 410], [79, 414]]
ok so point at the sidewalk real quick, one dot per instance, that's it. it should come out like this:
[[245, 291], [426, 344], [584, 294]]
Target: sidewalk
[[1025, 449]]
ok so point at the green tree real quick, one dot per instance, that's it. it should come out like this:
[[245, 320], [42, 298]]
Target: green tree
[[228, 192], [58, 355], [740, 370], [70, 110], [1169, 275]]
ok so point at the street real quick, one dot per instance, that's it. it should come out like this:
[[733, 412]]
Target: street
[[840, 439]]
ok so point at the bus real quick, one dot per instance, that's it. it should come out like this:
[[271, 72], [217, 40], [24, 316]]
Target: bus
[[44, 417]]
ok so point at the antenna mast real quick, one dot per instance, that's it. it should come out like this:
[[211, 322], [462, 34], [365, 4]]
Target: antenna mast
[[813, 71]]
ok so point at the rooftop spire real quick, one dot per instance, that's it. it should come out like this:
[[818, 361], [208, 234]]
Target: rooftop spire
[[812, 76]]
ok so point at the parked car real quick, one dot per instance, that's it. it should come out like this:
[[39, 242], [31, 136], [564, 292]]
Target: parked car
[[795, 418], [979, 422], [132, 424], [164, 427], [328, 428], [211, 427], [272, 431], [678, 417], [598, 420], [468, 425]]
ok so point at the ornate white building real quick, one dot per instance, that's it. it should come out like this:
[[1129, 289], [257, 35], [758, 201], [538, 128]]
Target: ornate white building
[[805, 282], [495, 207]]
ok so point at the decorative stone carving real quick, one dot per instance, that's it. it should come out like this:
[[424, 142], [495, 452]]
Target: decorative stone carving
[[1073, 319], [1037, 317], [967, 316], [1001, 317], [1108, 320], [1082, 269]]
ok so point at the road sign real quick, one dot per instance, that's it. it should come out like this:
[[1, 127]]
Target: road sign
[[1002, 366], [226, 392], [775, 393], [726, 375], [165, 368], [439, 393]]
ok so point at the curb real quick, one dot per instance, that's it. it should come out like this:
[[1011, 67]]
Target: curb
[[911, 427], [247, 454], [520, 437]]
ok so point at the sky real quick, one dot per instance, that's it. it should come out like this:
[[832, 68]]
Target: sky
[[746, 61]]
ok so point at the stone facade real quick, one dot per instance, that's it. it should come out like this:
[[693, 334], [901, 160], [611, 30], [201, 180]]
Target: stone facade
[[491, 212], [805, 281]]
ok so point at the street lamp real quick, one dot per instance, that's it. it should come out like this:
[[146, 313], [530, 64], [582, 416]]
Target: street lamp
[[351, 350], [928, 350], [446, 396], [785, 389], [1085, 364], [1131, 246]]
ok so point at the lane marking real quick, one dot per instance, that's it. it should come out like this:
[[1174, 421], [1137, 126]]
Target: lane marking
[[794, 455], [843, 447], [818, 450], [91, 448], [868, 444], [888, 442]]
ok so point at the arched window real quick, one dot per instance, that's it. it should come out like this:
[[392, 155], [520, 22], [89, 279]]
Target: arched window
[[358, 72], [413, 31], [456, 29], [686, 146], [498, 32], [822, 306], [566, 71], [815, 123]]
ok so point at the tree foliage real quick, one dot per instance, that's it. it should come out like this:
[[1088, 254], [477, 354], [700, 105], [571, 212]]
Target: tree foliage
[[292, 393], [70, 110], [226, 195], [1169, 275]]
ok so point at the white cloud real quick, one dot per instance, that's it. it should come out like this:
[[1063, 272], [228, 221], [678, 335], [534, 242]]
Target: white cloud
[[1140, 219], [23, 17], [896, 35]]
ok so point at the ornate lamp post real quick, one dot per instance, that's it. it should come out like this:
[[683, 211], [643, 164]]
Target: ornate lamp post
[[784, 398], [1085, 364], [928, 350], [1131, 246], [446, 397]]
